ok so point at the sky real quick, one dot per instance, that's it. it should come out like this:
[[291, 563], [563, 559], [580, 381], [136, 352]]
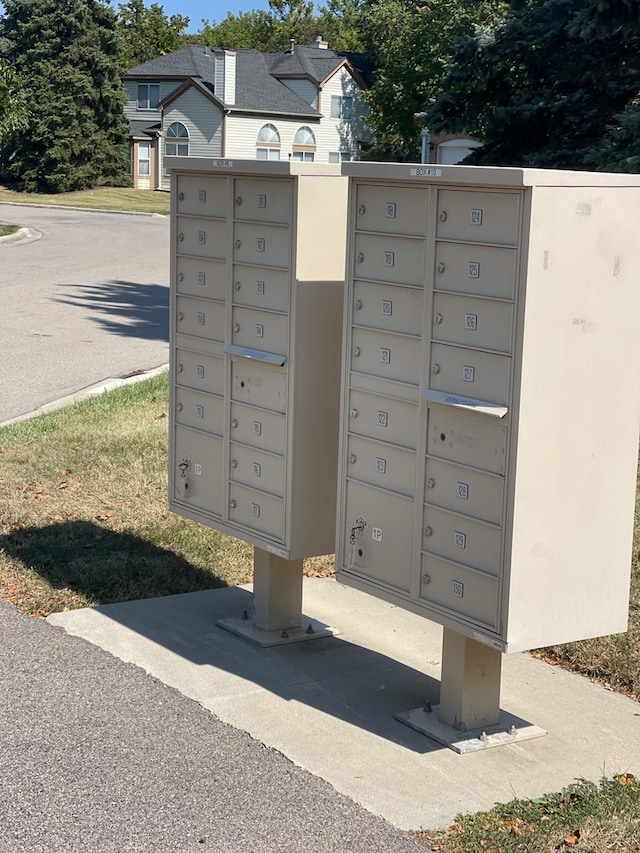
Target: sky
[[199, 10], [210, 10]]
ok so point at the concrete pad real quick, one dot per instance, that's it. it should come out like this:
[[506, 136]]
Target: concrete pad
[[329, 705]]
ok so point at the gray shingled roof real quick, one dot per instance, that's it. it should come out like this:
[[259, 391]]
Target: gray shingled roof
[[257, 85]]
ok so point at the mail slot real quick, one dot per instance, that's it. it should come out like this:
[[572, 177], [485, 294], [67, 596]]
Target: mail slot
[[473, 322], [391, 210], [262, 288], [197, 478], [201, 277], [258, 427], [262, 330], [262, 200], [464, 490], [389, 258], [383, 465], [388, 306], [481, 375], [259, 386], [254, 467], [467, 438], [261, 244], [462, 539], [388, 526], [199, 410], [202, 195], [200, 318], [257, 510], [384, 418], [479, 217], [196, 370], [205, 238], [480, 270], [460, 591], [387, 355]]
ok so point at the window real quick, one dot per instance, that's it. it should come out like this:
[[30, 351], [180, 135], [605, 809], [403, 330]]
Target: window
[[339, 156], [148, 96], [177, 142], [268, 143], [304, 145], [342, 106], [144, 158]]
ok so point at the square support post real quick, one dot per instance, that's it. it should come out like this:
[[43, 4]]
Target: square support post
[[277, 591], [470, 683]]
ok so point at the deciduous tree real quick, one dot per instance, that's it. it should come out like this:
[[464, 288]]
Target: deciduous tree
[[146, 32]]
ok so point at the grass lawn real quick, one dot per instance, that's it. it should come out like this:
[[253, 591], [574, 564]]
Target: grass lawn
[[101, 198], [84, 520], [5, 230]]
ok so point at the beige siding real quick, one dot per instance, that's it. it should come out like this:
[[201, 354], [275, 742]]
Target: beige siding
[[339, 134], [242, 133], [203, 120]]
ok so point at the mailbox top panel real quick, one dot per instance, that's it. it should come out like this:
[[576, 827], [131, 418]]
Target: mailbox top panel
[[234, 166], [496, 176]]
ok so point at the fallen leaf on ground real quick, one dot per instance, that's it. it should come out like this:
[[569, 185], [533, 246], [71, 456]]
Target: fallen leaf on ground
[[63, 485]]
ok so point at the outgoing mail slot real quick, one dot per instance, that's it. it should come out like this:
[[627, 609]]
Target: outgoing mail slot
[[383, 465], [471, 373], [261, 244], [388, 355], [391, 210], [258, 427], [259, 386], [478, 217], [462, 539], [262, 200], [255, 468], [385, 258], [198, 478], [202, 411], [467, 438], [375, 553], [201, 277], [388, 306], [196, 370], [205, 238], [261, 288], [383, 418], [257, 510], [464, 490], [262, 330], [469, 594], [473, 322], [480, 270], [200, 318], [201, 195]]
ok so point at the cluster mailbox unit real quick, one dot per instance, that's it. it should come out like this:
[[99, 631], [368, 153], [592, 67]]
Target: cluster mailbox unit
[[481, 443], [257, 284], [489, 429]]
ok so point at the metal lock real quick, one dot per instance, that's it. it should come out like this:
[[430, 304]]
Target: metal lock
[[238, 200], [443, 216], [181, 196], [428, 531], [233, 504], [431, 483], [438, 319], [238, 243], [362, 209], [435, 369], [352, 458], [356, 351], [442, 267], [234, 463], [354, 413], [357, 304]]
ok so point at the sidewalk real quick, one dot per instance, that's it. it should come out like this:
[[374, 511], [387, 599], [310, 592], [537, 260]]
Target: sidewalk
[[329, 704]]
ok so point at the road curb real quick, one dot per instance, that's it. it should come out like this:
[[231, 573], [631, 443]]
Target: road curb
[[101, 387], [23, 235]]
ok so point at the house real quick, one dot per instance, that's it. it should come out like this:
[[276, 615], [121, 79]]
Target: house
[[302, 104]]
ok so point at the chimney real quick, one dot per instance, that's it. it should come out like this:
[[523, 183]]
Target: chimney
[[320, 43], [224, 83]]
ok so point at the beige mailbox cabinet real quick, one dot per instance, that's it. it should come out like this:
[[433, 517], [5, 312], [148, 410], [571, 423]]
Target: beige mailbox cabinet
[[489, 428], [257, 280]]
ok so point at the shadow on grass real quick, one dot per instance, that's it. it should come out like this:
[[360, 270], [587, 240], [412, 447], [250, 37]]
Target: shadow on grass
[[125, 308], [103, 565]]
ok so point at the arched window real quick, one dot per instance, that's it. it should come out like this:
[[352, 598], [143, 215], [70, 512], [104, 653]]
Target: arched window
[[268, 143], [304, 145], [177, 141]]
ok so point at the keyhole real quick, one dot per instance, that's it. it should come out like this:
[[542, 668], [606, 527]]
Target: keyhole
[[360, 552], [242, 384], [443, 437]]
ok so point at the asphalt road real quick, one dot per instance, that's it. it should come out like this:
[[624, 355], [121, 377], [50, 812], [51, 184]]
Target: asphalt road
[[86, 302]]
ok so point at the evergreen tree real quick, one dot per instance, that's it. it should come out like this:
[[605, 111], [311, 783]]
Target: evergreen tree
[[66, 57], [555, 85]]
